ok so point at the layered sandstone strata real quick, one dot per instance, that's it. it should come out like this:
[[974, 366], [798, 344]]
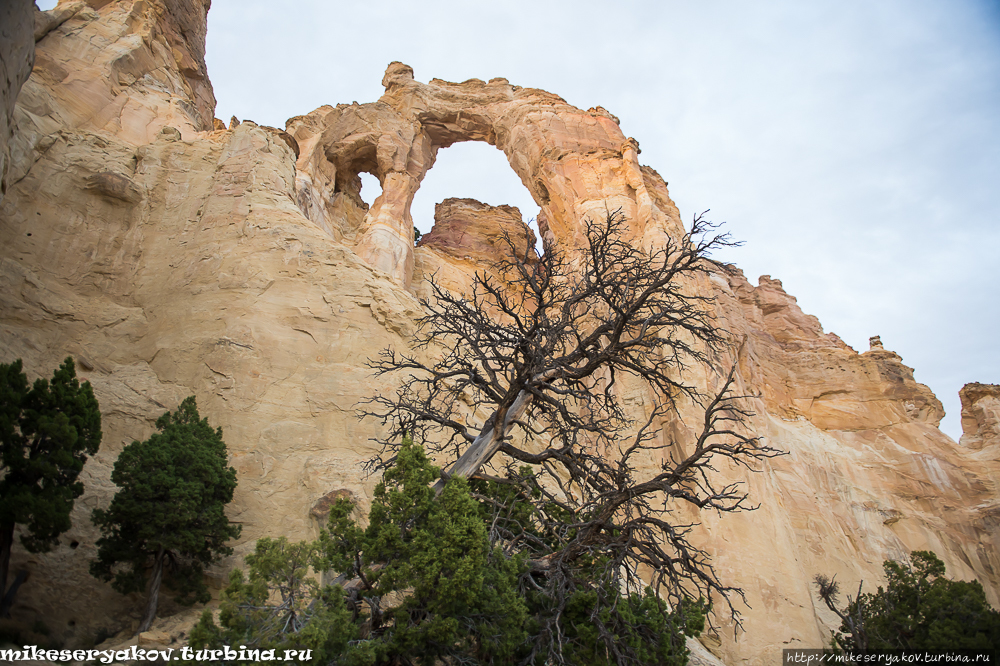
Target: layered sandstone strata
[[868, 475], [170, 256], [980, 415], [577, 164], [981, 428], [479, 234]]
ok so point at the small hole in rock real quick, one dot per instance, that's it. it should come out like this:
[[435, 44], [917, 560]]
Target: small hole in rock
[[74, 544], [29, 233], [371, 188]]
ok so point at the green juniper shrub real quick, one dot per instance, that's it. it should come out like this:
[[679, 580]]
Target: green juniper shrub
[[169, 511], [594, 623], [918, 609], [431, 580], [423, 583], [459, 594], [640, 623], [47, 430], [279, 605]]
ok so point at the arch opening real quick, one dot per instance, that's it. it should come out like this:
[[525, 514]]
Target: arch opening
[[473, 170]]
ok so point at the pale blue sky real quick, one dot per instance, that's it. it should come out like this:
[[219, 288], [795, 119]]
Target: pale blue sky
[[854, 146]]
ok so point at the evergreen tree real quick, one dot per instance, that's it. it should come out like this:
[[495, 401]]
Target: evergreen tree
[[919, 609], [46, 433], [460, 597], [168, 512], [596, 621], [279, 606], [431, 588], [422, 584]]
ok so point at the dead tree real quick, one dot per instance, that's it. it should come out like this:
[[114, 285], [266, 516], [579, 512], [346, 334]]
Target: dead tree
[[852, 618], [542, 347]]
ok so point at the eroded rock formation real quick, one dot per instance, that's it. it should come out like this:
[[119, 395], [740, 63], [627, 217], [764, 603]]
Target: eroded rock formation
[[980, 416], [576, 164], [170, 255], [868, 475]]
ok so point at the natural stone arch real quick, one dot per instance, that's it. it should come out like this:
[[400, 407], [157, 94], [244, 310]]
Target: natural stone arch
[[339, 143], [576, 164]]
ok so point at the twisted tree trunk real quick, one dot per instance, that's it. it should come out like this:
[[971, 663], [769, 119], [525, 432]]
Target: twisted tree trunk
[[153, 593], [487, 443]]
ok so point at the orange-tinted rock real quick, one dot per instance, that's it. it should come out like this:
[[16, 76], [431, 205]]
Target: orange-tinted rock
[[577, 164], [814, 374], [468, 230], [868, 475], [336, 144], [321, 509], [980, 416]]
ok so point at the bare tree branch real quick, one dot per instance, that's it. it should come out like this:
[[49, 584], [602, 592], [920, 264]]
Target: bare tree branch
[[542, 346]]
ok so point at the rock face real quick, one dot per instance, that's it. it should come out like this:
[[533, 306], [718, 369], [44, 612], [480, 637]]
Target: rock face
[[126, 69], [477, 233], [172, 256], [980, 416], [17, 55], [868, 475], [576, 164], [981, 434]]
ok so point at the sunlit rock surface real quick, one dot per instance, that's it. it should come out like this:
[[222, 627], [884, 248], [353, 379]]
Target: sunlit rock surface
[[173, 256], [980, 416]]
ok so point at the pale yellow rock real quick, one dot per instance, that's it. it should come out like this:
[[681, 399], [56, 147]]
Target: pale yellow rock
[[153, 639], [267, 321], [125, 68], [171, 257], [981, 434], [980, 415]]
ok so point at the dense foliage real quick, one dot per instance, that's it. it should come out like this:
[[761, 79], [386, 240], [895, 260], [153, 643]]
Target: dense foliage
[[422, 584], [279, 605], [919, 609], [596, 619], [168, 511], [47, 431]]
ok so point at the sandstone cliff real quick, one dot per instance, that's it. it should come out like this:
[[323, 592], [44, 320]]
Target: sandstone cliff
[[17, 56], [170, 255]]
